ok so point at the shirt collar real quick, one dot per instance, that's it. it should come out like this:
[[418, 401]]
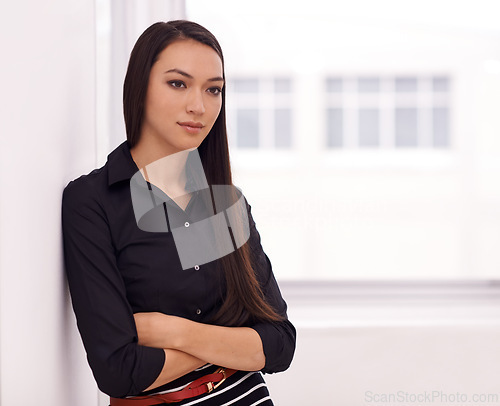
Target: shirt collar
[[121, 166]]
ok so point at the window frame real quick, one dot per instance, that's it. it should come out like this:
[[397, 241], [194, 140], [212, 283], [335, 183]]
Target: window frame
[[267, 101], [387, 100]]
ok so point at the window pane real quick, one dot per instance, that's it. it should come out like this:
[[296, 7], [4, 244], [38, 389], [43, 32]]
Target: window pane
[[406, 127], [283, 128], [368, 127], [440, 84], [440, 125], [368, 85], [246, 85], [334, 85], [334, 128], [282, 85], [406, 84], [248, 128]]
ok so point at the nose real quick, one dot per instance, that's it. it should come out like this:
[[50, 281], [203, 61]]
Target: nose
[[195, 103]]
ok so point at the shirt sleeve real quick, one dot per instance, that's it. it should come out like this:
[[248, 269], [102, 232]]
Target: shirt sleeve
[[104, 317], [278, 338]]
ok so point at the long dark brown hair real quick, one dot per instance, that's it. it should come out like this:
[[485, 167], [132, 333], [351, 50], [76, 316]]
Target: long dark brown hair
[[243, 299]]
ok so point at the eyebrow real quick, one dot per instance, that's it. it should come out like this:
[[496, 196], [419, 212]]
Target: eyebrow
[[180, 72]]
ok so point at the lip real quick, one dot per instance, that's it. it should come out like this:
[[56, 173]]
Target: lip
[[192, 127]]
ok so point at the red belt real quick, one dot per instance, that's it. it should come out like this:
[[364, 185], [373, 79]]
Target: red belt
[[205, 384]]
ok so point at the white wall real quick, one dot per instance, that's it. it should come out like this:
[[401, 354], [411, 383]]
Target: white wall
[[47, 137], [354, 361], [353, 339]]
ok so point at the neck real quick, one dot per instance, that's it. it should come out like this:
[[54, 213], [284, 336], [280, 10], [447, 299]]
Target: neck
[[164, 169]]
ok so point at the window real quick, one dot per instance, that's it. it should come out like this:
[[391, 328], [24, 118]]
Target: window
[[413, 192], [388, 112], [260, 112]]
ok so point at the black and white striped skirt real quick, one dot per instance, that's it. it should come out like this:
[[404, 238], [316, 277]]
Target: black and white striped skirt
[[243, 388]]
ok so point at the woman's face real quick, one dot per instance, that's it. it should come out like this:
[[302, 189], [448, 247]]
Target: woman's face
[[184, 97]]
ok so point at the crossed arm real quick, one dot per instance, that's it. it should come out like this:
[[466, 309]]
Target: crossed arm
[[189, 345]]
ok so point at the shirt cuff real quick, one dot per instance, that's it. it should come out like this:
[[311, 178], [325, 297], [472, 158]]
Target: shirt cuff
[[278, 343], [153, 359]]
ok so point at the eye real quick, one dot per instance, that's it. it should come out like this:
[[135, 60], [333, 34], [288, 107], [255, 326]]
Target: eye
[[178, 84], [214, 90]]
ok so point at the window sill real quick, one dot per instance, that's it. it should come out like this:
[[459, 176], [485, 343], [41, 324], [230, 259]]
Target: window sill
[[334, 304], [400, 158]]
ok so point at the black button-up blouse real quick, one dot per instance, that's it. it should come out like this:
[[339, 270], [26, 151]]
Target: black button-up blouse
[[115, 269]]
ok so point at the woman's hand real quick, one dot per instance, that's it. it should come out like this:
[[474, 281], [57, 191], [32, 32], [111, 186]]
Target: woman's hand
[[232, 347], [158, 330]]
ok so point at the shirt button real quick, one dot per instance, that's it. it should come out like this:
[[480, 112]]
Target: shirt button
[[186, 224], [196, 267], [198, 311]]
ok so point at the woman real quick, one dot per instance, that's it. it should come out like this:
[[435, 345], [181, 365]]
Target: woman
[[163, 318]]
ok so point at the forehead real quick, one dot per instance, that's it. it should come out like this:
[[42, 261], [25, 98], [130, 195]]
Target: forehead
[[190, 56]]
